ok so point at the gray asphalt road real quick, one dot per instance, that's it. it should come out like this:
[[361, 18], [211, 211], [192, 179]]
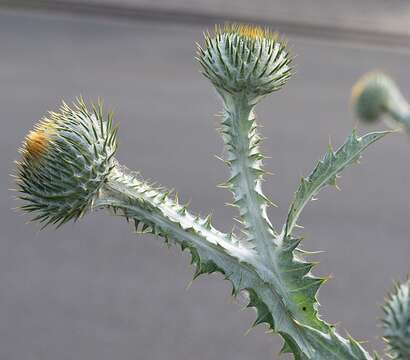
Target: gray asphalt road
[[388, 16], [93, 290]]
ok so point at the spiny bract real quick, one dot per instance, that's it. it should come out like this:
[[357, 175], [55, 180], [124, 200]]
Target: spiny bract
[[65, 159], [245, 58]]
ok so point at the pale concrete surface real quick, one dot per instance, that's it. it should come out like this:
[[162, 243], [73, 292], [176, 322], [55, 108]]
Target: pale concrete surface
[[93, 290], [390, 16]]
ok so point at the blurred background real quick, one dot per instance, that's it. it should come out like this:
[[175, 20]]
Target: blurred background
[[93, 290]]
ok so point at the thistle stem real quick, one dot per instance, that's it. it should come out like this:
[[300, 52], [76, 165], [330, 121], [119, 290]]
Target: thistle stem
[[245, 161], [399, 110]]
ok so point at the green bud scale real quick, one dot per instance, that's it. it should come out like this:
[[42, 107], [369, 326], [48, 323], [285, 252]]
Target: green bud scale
[[65, 160]]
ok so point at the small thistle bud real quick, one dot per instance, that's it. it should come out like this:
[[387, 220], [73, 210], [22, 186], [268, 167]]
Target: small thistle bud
[[244, 58], [374, 95], [64, 161], [396, 322]]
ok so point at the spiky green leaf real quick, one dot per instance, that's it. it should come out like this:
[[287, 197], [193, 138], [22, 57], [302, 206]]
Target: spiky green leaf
[[326, 172]]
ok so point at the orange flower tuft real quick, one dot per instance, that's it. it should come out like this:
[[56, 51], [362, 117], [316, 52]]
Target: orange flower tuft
[[250, 31], [38, 140]]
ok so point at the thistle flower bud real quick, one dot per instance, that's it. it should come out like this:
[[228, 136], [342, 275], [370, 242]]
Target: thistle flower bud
[[376, 94], [65, 160], [243, 58], [396, 322]]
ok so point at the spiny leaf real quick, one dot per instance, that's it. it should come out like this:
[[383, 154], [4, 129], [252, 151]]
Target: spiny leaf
[[327, 171]]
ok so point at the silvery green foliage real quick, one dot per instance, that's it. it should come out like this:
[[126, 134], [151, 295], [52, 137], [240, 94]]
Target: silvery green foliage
[[396, 322], [244, 64]]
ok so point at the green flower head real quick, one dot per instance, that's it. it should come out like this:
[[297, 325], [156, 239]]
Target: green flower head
[[243, 58], [64, 161]]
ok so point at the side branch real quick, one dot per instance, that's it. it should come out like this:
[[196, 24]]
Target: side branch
[[154, 211]]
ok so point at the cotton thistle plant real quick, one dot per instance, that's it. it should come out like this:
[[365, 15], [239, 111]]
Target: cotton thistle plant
[[376, 96], [68, 167]]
